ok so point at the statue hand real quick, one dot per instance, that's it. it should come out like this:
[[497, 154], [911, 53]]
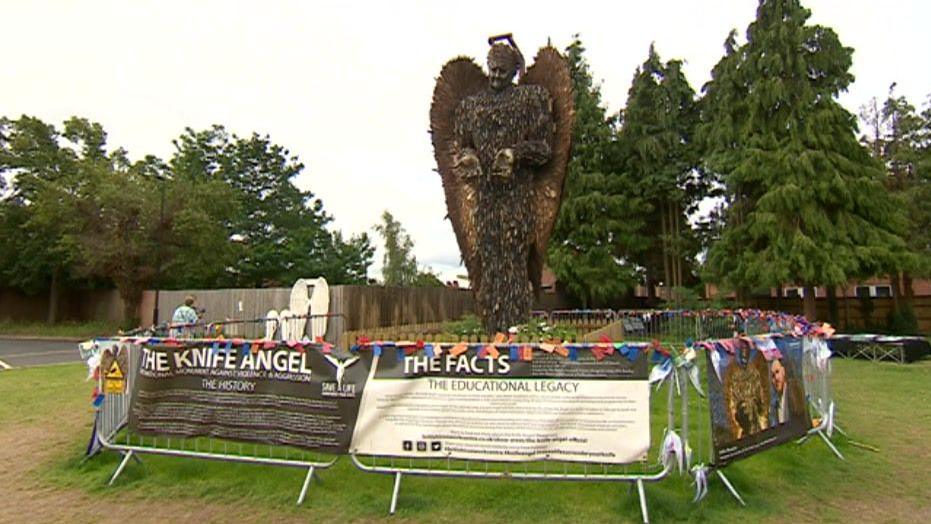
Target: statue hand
[[504, 163], [467, 165]]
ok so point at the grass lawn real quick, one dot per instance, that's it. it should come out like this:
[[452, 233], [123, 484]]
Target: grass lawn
[[45, 418], [83, 330]]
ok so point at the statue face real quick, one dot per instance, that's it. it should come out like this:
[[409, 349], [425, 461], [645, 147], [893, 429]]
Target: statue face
[[499, 76], [778, 373]]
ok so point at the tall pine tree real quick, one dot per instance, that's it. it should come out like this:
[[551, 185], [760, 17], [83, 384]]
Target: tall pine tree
[[657, 147], [600, 213], [807, 204]]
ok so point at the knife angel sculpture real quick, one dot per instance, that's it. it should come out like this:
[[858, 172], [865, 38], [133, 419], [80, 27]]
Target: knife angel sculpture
[[501, 149]]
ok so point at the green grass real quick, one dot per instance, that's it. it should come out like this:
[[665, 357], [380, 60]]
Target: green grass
[[883, 405], [62, 329]]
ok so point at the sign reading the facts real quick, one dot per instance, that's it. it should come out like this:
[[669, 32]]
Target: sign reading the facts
[[272, 395], [756, 396], [503, 408]]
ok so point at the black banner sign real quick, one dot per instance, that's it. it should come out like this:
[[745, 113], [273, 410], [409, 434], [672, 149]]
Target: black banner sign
[[272, 395]]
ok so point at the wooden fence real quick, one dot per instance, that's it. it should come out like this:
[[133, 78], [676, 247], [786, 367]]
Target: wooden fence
[[368, 307], [853, 314]]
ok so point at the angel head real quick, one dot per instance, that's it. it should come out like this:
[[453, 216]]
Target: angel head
[[503, 63]]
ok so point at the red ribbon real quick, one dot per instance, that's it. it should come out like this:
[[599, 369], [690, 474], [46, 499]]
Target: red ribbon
[[324, 346], [658, 348]]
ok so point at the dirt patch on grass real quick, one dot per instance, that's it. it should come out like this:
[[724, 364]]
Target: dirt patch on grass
[[26, 449]]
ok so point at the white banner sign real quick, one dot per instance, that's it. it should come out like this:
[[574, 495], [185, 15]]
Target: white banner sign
[[472, 407]]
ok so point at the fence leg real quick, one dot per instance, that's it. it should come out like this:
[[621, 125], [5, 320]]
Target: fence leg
[[310, 474], [126, 456], [830, 445], [730, 487], [840, 430], [685, 419], [643, 501], [394, 494]]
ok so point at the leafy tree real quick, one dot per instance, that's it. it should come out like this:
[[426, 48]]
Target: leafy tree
[[599, 219], [35, 253], [101, 217], [399, 265], [280, 231], [806, 202], [896, 135], [656, 139]]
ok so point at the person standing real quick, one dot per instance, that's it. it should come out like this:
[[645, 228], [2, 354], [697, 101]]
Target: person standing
[[183, 318]]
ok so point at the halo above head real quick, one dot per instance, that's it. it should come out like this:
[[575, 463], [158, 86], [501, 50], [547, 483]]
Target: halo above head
[[506, 55]]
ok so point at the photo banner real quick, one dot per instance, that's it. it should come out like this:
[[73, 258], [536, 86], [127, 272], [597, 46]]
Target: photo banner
[[756, 395], [268, 393], [516, 405]]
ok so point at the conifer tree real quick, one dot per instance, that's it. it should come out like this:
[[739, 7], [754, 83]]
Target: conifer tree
[[657, 149], [807, 204], [600, 212]]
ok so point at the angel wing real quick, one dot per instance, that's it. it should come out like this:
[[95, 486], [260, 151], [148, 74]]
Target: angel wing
[[551, 71], [460, 78]]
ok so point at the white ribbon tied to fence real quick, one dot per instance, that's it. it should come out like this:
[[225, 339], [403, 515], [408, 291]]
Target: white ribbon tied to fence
[[672, 450], [700, 479], [664, 370]]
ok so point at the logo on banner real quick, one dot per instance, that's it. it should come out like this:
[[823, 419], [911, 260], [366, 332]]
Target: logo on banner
[[337, 388], [114, 372], [435, 446]]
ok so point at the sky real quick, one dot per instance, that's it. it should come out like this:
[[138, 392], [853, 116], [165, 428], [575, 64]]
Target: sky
[[346, 86]]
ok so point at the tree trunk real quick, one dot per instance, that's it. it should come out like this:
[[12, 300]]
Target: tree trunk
[[651, 289], [846, 310], [832, 304], [53, 292], [909, 291], [809, 305], [678, 217], [665, 236], [132, 297], [896, 292]]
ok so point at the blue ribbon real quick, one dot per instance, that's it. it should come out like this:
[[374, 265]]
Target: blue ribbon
[[513, 353], [573, 353], [628, 351], [428, 350], [400, 353], [376, 350], [215, 348], [98, 400], [244, 350]]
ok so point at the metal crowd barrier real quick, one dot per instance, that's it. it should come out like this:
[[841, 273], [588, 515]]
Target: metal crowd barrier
[[671, 326], [636, 473], [582, 317], [816, 367], [112, 433], [697, 432], [289, 327]]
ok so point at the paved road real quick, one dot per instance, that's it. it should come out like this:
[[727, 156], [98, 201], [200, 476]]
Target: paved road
[[16, 353]]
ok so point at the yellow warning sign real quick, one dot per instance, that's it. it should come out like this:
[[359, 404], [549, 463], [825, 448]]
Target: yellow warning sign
[[114, 382]]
